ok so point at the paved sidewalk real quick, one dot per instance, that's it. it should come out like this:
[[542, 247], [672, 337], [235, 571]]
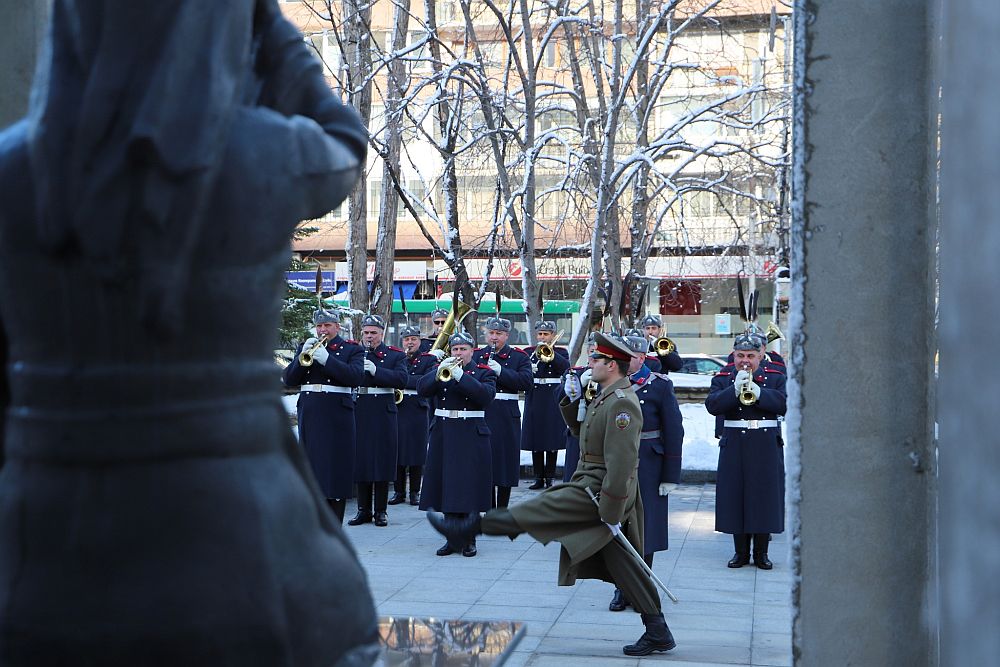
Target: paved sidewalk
[[725, 617]]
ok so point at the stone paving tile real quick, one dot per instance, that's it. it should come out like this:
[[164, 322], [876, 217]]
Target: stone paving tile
[[726, 617]]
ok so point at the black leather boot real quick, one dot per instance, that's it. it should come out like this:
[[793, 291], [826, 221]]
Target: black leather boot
[[416, 475], [459, 531], [742, 555], [446, 550], [539, 484], [538, 463], [381, 501], [656, 638], [550, 467], [503, 496], [470, 548], [399, 487], [364, 514], [337, 507], [618, 602], [760, 559]]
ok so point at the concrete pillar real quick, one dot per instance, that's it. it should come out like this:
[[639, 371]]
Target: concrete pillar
[[862, 459], [969, 334], [22, 25]]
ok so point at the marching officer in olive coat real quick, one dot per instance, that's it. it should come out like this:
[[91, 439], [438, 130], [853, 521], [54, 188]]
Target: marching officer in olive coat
[[458, 479], [513, 371], [326, 406], [376, 416], [609, 444], [659, 453], [750, 499], [653, 326], [414, 419], [543, 432]]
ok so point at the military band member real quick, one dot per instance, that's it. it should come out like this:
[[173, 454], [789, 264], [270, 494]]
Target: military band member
[[653, 326], [414, 419], [750, 499], [438, 317], [458, 479], [326, 407], [376, 416], [659, 453], [572, 442], [543, 432], [609, 444], [652, 362], [513, 371]]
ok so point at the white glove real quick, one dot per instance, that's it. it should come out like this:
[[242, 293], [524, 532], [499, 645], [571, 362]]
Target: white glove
[[438, 353], [572, 387], [312, 340], [534, 368], [755, 390], [585, 377], [370, 367], [456, 371], [494, 366], [321, 355], [615, 529], [741, 377], [667, 487]]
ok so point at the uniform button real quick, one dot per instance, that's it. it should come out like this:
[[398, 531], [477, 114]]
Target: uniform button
[[643, 402]]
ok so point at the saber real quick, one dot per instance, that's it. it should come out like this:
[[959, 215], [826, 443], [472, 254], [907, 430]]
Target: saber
[[628, 547]]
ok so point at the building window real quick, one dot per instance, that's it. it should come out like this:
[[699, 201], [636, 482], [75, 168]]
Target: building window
[[680, 297]]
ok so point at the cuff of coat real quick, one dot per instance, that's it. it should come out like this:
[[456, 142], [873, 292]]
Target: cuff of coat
[[611, 508]]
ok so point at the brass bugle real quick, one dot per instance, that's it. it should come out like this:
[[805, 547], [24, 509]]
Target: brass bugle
[[444, 370], [590, 393], [663, 346], [746, 396], [306, 355]]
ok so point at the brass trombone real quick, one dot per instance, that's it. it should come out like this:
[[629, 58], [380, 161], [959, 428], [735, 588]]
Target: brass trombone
[[664, 346], [546, 352], [306, 356]]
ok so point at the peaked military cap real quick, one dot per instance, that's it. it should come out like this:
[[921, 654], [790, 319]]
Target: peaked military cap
[[371, 320], [324, 316], [612, 346], [498, 324], [651, 321]]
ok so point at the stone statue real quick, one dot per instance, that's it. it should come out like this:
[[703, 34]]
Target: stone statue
[[155, 508]]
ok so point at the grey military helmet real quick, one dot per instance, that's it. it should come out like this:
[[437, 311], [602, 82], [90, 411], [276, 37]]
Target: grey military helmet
[[498, 324], [639, 344], [408, 330], [545, 325], [746, 341], [439, 313], [372, 320], [323, 316], [651, 321], [461, 338]]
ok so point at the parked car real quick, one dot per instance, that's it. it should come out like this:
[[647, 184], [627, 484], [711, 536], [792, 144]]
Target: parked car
[[701, 364]]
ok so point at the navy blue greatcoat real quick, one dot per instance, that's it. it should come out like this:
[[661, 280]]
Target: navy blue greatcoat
[[326, 420], [543, 428], [414, 413], [378, 428], [458, 472], [668, 362], [659, 452], [653, 363], [504, 415], [750, 488]]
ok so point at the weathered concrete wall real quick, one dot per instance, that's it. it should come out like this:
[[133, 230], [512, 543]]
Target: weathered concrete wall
[[862, 429], [969, 332], [22, 23]]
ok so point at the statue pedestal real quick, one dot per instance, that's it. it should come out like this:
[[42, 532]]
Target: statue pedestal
[[430, 641]]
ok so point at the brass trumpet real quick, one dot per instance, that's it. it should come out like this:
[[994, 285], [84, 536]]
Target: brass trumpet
[[746, 396], [664, 346], [590, 393], [306, 356], [546, 352], [444, 370]]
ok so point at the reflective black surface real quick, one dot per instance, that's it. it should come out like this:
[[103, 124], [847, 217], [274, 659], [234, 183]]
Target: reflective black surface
[[429, 642]]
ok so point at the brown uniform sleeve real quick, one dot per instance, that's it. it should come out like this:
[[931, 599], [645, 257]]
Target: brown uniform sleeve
[[621, 457]]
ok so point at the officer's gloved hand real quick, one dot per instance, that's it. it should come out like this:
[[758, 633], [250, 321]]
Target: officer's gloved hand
[[572, 387], [456, 371], [616, 529], [437, 353], [534, 368], [370, 367], [666, 487], [741, 377], [320, 356], [585, 377], [755, 390], [494, 366]]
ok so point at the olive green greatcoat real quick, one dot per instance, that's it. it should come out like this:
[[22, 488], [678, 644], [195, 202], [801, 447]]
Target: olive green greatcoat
[[609, 460]]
